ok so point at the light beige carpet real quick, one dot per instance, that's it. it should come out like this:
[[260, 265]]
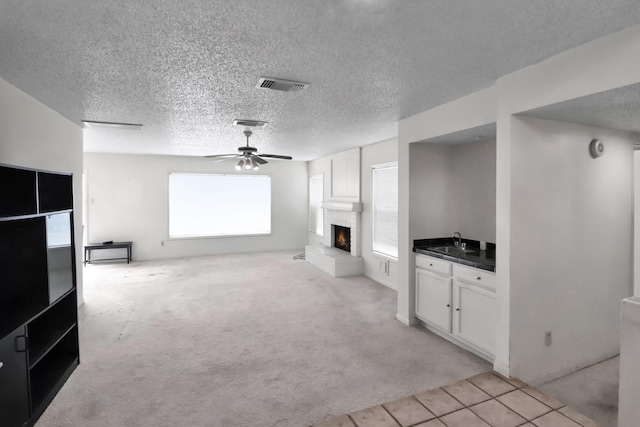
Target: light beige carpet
[[242, 340]]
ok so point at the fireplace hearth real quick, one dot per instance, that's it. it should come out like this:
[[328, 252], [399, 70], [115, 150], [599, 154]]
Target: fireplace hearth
[[335, 257], [341, 237]]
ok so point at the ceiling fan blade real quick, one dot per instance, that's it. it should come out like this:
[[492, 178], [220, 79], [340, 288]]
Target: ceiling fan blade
[[276, 156], [221, 159], [224, 155], [259, 160]]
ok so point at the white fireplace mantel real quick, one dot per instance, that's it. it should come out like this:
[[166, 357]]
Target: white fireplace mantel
[[342, 206]]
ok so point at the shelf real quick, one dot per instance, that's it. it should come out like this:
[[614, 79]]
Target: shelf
[[51, 327], [54, 368], [56, 336], [55, 191], [19, 198]]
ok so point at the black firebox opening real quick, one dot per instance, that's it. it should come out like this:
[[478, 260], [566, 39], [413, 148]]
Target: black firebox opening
[[342, 238]]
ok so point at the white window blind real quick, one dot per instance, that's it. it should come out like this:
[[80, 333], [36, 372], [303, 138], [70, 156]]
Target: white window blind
[[385, 209], [219, 205], [316, 217]]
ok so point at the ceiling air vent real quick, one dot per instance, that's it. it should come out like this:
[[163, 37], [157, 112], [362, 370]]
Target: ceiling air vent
[[250, 123], [281, 85]]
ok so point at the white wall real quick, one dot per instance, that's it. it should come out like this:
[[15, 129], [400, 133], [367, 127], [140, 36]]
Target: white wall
[[429, 191], [473, 190], [453, 188], [322, 167], [33, 135], [571, 234], [636, 224], [128, 200], [593, 67]]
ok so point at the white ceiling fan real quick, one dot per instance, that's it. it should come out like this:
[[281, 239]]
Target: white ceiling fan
[[249, 157]]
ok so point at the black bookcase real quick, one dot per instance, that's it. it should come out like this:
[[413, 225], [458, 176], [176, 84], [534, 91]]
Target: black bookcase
[[38, 302]]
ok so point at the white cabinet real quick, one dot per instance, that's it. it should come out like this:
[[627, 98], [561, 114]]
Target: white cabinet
[[475, 316], [433, 299], [457, 302]]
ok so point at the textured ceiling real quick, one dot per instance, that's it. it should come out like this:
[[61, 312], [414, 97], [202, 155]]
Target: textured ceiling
[[612, 109], [479, 133], [186, 69]]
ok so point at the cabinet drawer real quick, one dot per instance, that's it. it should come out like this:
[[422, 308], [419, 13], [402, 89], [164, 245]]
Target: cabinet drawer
[[433, 264], [475, 276]]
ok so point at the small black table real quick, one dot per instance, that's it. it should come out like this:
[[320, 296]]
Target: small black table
[[115, 245]]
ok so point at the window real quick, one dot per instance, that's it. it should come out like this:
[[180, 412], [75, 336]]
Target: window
[[385, 209], [316, 217], [219, 205]]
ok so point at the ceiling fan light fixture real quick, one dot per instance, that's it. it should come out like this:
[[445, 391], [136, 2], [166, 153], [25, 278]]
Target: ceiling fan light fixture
[[250, 123], [249, 156]]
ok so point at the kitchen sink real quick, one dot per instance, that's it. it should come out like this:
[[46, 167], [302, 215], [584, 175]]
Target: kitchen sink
[[452, 250]]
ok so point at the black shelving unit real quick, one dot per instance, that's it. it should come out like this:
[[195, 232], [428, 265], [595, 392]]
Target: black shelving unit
[[46, 374], [38, 301]]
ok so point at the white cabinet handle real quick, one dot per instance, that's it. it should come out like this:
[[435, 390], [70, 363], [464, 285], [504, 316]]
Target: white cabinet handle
[[1, 364]]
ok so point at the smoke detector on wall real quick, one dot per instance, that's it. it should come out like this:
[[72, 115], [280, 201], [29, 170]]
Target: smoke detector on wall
[[596, 148], [281, 84]]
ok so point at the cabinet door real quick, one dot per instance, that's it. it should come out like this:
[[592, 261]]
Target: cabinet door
[[475, 312], [433, 299], [14, 397]]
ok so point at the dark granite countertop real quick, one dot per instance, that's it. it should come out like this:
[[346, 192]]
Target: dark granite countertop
[[473, 257]]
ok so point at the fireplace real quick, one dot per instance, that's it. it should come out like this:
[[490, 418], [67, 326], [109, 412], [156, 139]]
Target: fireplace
[[341, 237], [339, 253]]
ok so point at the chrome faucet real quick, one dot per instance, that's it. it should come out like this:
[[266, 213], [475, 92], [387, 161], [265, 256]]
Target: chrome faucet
[[459, 242]]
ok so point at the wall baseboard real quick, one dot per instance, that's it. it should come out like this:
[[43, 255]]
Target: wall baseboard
[[569, 369], [383, 282], [502, 369], [405, 320], [463, 345]]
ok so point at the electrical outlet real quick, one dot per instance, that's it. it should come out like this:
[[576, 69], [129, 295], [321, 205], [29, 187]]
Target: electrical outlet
[[162, 243], [384, 267], [547, 338]]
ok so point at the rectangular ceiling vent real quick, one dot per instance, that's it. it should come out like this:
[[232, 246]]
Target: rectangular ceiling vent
[[281, 85]]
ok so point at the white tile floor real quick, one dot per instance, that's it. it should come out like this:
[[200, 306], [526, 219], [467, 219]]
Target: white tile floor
[[485, 400]]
